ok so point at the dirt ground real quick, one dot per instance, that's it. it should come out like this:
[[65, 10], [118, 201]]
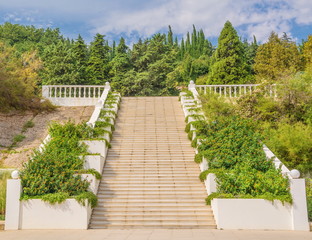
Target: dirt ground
[[12, 124]]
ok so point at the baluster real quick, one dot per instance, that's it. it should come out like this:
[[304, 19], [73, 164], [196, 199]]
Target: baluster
[[250, 90], [225, 90], [235, 93]]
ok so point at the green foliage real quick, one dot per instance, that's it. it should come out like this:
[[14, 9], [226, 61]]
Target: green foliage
[[4, 175], [28, 124], [277, 59], [309, 197], [292, 143], [18, 138], [203, 175], [215, 106], [98, 68], [228, 65], [232, 141], [243, 179], [90, 197], [54, 198], [92, 171], [235, 154], [198, 157], [51, 174], [59, 65], [18, 79]]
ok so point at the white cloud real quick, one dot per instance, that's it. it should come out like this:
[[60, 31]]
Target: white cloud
[[252, 17]]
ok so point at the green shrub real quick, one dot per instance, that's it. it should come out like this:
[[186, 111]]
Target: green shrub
[[51, 173], [90, 197], [3, 183], [245, 180], [215, 106], [309, 197], [230, 141], [292, 143]]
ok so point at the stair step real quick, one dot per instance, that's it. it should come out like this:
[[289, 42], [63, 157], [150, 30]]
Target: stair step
[[150, 179], [154, 218]]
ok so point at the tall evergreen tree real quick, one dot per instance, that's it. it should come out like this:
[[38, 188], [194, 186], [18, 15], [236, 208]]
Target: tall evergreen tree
[[80, 52], [170, 36], [276, 59], [98, 69], [59, 65], [228, 63]]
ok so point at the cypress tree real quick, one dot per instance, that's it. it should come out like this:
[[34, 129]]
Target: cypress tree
[[182, 50], [170, 36], [228, 62], [97, 68], [80, 52]]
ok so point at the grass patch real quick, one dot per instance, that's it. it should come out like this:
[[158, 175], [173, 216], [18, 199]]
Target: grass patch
[[3, 177], [28, 124]]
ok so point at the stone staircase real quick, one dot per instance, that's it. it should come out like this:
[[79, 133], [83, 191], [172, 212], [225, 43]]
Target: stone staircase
[[150, 179]]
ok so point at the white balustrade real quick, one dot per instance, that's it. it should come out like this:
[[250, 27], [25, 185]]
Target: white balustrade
[[235, 90], [73, 95]]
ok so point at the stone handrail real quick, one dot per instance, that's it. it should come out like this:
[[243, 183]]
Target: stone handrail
[[72, 95], [235, 90], [269, 154], [246, 211], [99, 105], [72, 91]]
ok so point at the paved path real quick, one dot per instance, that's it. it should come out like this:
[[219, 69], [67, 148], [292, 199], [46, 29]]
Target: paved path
[[153, 234]]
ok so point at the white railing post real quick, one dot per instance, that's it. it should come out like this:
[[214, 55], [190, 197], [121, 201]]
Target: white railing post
[[13, 194], [45, 91], [299, 207]]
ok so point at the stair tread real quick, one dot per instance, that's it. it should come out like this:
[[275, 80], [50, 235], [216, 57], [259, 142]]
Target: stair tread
[[149, 177]]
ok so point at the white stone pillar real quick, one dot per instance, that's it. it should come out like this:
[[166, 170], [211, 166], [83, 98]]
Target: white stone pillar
[[191, 85], [12, 213], [107, 86], [299, 207], [45, 91]]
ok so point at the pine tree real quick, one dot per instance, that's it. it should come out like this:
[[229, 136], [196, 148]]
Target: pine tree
[[80, 52], [98, 69], [228, 63], [59, 65], [277, 59]]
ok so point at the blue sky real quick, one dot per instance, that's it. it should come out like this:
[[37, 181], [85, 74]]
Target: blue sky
[[142, 18]]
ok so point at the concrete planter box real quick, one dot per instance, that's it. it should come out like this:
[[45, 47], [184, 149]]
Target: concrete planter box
[[37, 214], [96, 146], [252, 214], [94, 161], [111, 120], [94, 183]]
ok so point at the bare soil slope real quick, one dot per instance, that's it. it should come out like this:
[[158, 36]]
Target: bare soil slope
[[12, 124]]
